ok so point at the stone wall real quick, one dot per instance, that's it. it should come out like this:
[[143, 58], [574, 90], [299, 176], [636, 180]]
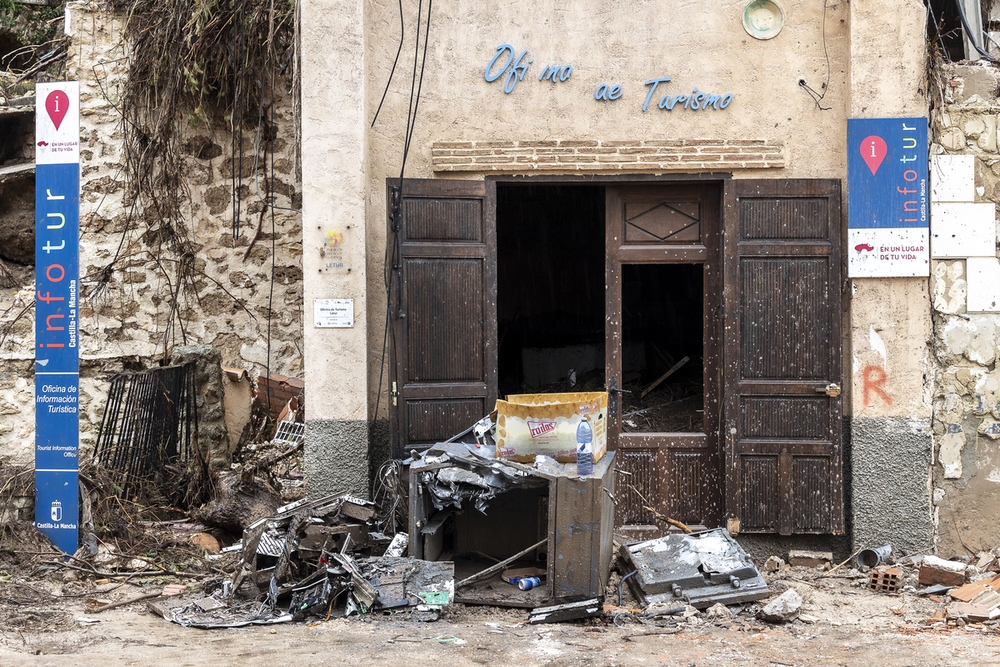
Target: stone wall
[[965, 289], [132, 313]]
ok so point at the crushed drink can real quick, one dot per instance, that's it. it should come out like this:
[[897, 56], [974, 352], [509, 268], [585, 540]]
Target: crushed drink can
[[527, 583]]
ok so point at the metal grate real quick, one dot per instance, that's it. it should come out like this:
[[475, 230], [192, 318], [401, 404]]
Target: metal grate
[[148, 421], [290, 433]]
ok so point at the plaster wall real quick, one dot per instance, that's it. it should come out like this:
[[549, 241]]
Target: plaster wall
[[840, 51], [701, 45], [965, 174], [126, 282], [889, 398], [335, 117]]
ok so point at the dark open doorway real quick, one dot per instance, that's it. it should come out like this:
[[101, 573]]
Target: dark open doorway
[[663, 340], [550, 288], [551, 251]]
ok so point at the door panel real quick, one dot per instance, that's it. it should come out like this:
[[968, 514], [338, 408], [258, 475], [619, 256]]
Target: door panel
[[443, 307], [782, 301], [677, 474]]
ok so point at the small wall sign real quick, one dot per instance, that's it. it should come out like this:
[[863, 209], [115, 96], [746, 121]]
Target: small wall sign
[[333, 313], [888, 222]]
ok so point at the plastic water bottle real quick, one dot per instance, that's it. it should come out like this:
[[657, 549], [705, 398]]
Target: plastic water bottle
[[584, 449]]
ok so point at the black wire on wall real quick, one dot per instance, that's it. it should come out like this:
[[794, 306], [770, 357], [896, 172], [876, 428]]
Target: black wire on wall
[[392, 254]]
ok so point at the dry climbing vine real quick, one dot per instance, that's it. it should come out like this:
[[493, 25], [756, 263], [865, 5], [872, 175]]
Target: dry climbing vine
[[204, 63]]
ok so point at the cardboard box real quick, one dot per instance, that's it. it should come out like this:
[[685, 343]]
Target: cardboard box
[[531, 424]]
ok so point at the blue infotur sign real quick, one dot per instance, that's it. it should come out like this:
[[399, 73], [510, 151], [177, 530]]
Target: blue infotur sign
[[887, 194], [57, 259]]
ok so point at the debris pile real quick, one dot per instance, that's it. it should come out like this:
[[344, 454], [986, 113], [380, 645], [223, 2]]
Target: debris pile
[[315, 558]]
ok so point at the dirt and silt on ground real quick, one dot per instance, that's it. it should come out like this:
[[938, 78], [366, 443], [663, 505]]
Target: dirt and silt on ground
[[49, 616]]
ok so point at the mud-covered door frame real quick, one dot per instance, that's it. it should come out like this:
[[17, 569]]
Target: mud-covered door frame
[[677, 474], [783, 398]]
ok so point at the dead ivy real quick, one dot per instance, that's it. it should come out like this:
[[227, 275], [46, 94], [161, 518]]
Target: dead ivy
[[210, 65]]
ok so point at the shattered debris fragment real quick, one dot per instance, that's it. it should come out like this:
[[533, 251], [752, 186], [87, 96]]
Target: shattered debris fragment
[[934, 570], [699, 569], [310, 558], [783, 608]]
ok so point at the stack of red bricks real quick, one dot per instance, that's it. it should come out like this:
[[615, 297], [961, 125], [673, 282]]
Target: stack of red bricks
[[274, 392]]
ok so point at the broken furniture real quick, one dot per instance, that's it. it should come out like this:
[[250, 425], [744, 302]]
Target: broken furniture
[[470, 507], [699, 569]]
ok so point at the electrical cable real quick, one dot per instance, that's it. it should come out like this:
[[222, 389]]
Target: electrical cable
[[396, 209], [396, 203], [968, 32], [990, 37], [393, 70], [817, 97], [622, 583], [270, 185], [256, 152]]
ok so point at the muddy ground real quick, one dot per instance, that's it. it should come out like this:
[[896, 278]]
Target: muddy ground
[[45, 620]]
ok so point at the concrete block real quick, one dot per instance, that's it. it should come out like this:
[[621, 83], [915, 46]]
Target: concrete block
[[987, 141], [949, 287], [935, 570], [952, 178], [809, 558], [983, 284], [962, 229], [885, 580]]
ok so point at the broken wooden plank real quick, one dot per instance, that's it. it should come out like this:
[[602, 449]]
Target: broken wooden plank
[[432, 526], [493, 569], [967, 592], [656, 383], [566, 612]]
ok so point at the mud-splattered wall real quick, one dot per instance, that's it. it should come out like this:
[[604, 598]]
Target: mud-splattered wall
[[965, 288], [132, 309]]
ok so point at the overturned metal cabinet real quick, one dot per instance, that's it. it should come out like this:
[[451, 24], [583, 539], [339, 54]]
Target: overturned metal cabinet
[[700, 569], [476, 510]]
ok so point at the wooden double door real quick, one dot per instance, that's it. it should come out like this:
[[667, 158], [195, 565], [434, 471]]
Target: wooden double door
[[753, 267]]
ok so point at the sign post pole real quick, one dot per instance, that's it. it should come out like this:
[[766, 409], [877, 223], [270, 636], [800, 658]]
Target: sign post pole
[[57, 360]]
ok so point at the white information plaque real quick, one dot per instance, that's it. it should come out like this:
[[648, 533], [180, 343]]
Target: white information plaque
[[333, 313]]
